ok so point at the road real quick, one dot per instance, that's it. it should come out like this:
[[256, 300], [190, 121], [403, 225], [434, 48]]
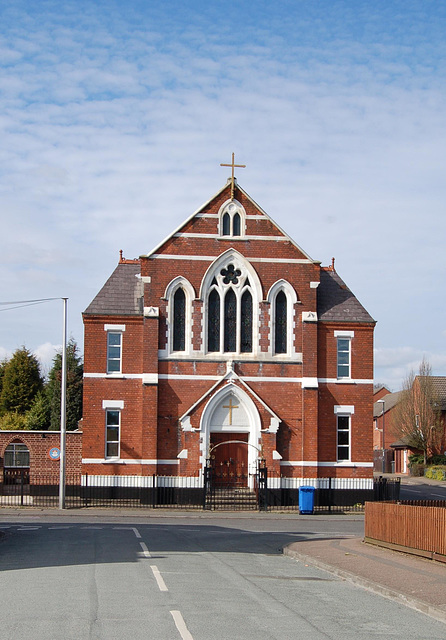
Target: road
[[184, 577], [416, 489]]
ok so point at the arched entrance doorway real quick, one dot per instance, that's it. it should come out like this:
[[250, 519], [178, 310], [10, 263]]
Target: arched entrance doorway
[[230, 425]]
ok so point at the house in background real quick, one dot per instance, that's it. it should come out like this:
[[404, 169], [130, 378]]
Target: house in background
[[229, 343], [386, 435]]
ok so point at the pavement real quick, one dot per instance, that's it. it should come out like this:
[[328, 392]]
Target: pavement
[[411, 580]]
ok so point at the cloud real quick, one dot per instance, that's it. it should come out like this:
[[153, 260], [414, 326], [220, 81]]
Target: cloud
[[114, 122]]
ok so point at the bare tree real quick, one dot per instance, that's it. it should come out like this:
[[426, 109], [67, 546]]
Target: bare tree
[[417, 416]]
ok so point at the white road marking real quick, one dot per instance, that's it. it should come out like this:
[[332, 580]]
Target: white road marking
[[439, 495], [181, 625], [98, 528], [134, 529], [159, 579], [59, 528], [28, 528], [145, 550]]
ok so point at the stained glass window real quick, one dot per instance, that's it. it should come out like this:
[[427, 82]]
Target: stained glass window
[[246, 323], [236, 224], [230, 338], [280, 338], [226, 225], [179, 320], [214, 321]]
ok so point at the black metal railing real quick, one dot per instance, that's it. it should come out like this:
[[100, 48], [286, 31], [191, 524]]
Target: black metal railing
[[261, 492]]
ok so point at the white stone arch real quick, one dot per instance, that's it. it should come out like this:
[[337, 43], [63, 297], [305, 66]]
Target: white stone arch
[[251, 425], [213, 274], [292, 299], [189, 291], [231, 208]]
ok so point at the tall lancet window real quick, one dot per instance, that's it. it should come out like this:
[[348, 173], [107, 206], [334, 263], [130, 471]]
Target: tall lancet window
[[280, 338], [246, 323], [214, 321], [179, 320], [230, 340]]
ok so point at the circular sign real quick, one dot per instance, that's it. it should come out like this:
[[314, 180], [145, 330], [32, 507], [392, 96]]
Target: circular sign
[[54, 453]]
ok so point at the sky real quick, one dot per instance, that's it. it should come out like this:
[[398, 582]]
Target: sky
[[115, 117]]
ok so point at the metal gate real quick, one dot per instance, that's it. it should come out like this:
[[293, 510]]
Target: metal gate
[[232, 493]]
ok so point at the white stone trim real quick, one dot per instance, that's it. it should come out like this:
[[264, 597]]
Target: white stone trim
[[314, 285], [344, 409], [113, 404], [310, 383], [309, 316], [346, 380], [344, 334], [306, 463], [114, 327], [175, 376], [151, 312], [150, 378], [127, 461], [171, 256], [231, 238]]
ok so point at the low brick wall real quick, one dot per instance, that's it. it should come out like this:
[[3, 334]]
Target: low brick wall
[[420, 530], [39, 444]]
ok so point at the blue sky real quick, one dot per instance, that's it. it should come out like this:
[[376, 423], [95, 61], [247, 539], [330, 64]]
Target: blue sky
[[115, 117]]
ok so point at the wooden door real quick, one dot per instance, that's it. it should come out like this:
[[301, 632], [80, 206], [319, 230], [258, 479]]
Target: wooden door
[[230, 459]]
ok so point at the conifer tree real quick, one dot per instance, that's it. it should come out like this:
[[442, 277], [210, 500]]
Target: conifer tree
[[75, 372], [21, 382]]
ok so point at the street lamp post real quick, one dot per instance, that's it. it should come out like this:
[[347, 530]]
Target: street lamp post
[[383, 402], [63, 410]]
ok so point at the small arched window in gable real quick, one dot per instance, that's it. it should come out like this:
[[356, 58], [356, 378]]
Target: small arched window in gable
[[280, 333], [232, 217], [179, 320], [226, 225], [236, 224]]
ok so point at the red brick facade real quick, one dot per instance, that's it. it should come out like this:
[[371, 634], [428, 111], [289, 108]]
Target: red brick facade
[[300, 411]]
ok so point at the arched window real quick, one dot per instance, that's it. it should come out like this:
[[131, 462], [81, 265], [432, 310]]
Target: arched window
[[280, 333], [214, 321], [232, 217], [180, 296], [282, 298], [231, 290], [226, 225], [230, 339], [16, 456], [246, 323], [179, 320], [236, 224]]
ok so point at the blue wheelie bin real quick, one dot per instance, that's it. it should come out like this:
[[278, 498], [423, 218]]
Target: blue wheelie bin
[[306, 499]]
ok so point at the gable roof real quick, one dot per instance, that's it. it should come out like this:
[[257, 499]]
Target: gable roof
[[216, 195], [122, 294], [390, 400], [335, 301]]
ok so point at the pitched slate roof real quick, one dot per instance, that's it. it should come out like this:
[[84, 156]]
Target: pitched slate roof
[[335, 301], [122, 294], [390, 400]]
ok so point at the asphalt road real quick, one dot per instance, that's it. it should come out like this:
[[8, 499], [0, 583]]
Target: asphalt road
[[416, 489], [184, 577]]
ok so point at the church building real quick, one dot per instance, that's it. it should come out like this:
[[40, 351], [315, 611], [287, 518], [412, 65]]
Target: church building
[[228, 343]]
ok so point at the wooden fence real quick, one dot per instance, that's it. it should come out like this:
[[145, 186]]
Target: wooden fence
[[406, 527]]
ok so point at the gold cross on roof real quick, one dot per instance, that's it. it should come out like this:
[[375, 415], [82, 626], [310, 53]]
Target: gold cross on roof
[[242, 166]]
